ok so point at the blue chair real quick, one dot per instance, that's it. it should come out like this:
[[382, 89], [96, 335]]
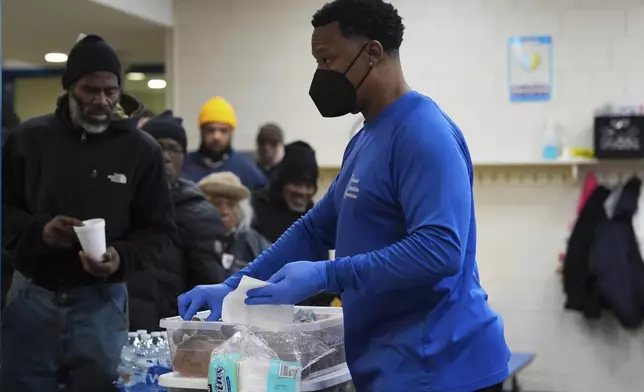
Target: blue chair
[[518, 362]]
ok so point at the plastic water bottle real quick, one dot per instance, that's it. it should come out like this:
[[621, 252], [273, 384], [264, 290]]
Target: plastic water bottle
[[159, 352], [143, 361], [163, 355], [142, 332], [155, 338], [127, 365]]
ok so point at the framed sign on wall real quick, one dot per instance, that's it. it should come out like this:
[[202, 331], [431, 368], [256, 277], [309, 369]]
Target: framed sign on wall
[[530, 68]]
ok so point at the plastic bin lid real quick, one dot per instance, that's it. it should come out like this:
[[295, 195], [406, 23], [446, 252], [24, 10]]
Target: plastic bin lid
[[335, 319]]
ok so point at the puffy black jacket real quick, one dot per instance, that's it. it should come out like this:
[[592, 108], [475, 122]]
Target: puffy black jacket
[[51, 168], [192, 261]]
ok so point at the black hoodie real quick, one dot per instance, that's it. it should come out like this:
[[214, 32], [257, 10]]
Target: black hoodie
[[49, 168]]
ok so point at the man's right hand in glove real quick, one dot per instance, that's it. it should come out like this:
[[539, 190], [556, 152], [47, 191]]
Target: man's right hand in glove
[[211, 296], [59, 232]]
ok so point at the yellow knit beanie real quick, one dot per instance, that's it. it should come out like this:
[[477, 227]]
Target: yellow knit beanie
[[218, 110]]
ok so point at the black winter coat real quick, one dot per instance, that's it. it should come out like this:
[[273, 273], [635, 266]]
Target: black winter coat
[[192, 261], [578, 281], [272, 215], [616, 262], [51, 168]]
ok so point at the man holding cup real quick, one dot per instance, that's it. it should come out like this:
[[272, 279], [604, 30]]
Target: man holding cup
[[83, 173]]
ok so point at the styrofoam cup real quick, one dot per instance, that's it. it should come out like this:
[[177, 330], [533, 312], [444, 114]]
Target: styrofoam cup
[[92, 238]]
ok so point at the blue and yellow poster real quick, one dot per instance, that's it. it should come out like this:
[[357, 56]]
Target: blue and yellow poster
[[530, 68]]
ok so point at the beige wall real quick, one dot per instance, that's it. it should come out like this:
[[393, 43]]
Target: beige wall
[[455, 51], [37, 96]]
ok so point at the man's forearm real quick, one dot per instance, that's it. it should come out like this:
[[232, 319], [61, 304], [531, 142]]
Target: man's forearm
[[422, 258]]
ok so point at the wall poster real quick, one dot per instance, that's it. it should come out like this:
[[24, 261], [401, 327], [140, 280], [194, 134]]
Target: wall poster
[[530, 68]]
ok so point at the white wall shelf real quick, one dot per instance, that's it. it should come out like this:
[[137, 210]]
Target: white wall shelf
[[542, 171]]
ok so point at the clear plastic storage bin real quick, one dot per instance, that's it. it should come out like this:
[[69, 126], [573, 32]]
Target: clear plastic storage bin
[[192, 342]]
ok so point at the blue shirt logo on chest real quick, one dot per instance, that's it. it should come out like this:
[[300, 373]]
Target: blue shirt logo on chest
[[353, 188]]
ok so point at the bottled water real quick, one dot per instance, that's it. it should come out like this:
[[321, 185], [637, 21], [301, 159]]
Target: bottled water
[[141, 332], [163, 354], [141, 363], [143, 360], [162, 363], [155, 337], [127, 366]]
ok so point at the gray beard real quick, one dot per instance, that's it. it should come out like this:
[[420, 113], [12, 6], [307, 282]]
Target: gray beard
[[77, 118]]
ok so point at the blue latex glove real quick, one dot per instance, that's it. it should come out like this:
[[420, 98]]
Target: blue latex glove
[[292, 284], [211, 295]]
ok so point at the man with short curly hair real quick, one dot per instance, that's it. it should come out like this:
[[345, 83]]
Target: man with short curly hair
[[400, 216]]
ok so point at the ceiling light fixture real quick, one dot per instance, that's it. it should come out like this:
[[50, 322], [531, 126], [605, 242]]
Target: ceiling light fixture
[[55, 57], [135, 76], [156, 84]]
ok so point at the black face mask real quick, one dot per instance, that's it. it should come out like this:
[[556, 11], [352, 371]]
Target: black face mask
[[333, 93]]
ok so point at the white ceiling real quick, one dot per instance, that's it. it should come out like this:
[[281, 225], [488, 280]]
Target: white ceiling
[[31, 28]]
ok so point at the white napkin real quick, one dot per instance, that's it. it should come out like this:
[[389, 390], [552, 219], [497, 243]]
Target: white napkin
[[270, 317]]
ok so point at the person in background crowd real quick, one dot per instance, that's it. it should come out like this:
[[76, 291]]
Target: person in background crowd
[[290, 193], [270, 148], [145, 116], [193, 260], [288, 197], [217, 121], [400, 216], [10, 121], [68, 321], [241, 244]]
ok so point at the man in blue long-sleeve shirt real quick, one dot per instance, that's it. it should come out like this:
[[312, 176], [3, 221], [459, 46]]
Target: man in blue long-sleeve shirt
[[401, 217]]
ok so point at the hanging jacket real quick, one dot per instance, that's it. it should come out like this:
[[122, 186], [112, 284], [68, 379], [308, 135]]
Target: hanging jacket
[[51, 168], [578, 281], [190, 262], [616, 262]]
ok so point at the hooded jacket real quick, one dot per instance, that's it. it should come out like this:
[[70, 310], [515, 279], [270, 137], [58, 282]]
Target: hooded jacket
[[51, 168], [192, 261]]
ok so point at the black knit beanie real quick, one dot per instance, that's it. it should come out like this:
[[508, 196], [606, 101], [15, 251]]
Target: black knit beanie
[[90, 54], [298, 165], [165, 125]]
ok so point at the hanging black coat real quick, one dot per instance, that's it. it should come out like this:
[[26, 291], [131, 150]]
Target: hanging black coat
[[578, 281], [616, 262]]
